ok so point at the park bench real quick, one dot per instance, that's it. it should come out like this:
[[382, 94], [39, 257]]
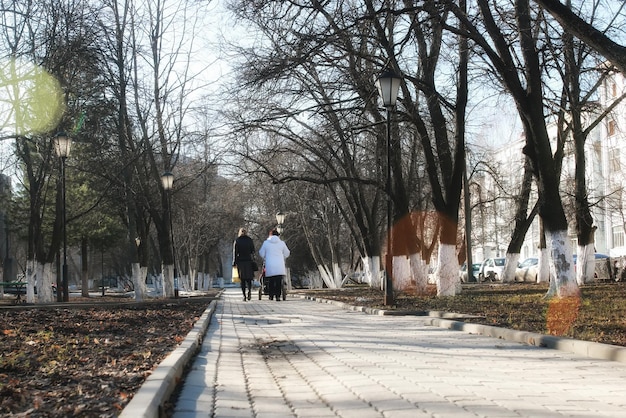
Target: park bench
[[16, 288]]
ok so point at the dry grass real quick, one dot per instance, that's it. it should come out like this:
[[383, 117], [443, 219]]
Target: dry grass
[[599, 315]]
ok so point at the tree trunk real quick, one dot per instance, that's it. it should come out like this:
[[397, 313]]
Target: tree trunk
[[371, 270], [168, 280], [44, 283], [84, 271], [593, 37], [529, 100], [522, 224], [584, 221], [447, 275], [562, 263], [31, 280], [510, 266]]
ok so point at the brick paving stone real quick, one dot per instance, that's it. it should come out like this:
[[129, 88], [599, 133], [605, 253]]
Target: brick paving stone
[[298, 358]]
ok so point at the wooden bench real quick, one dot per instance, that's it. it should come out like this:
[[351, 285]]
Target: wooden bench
[[16, 288]]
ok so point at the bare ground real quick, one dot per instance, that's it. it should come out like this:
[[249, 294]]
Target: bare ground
[[86, 359]]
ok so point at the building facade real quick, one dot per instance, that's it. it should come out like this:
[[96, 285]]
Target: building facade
[[494, 194]]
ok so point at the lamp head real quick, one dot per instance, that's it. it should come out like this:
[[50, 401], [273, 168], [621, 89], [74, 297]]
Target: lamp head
[[62, 144], [167, 179], [388, 84]]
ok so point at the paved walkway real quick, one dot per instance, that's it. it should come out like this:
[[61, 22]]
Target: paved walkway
[[298, 358]]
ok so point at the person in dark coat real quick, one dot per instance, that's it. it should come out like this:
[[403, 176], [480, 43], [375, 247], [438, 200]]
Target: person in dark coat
[[243, 256]]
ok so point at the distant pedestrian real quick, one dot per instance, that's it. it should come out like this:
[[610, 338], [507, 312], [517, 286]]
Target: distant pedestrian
[[274, 251], [243, 257]]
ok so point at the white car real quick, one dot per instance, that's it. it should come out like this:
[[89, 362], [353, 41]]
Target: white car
[[491, 269], [475, 270], [527, 270]]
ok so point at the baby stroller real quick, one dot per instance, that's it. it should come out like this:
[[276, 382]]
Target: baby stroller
[[264, 290]]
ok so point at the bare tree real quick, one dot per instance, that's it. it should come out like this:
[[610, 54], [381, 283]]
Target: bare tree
[[578, 116], [524, 82], [309, 89], [522, 222], [62, 40], [150, 48], [587, 32], [442, 142], [299, 62]]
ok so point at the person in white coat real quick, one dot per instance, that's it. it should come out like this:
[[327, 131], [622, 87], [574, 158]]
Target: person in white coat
[[274, 251]]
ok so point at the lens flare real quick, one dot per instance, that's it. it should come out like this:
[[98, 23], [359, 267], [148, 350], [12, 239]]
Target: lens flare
[[31, 100], [562, 313]]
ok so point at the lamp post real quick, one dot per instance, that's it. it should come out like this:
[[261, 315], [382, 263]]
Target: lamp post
[[388, 84], [280, 220], [62, 147], [167, 179], [102, 268]]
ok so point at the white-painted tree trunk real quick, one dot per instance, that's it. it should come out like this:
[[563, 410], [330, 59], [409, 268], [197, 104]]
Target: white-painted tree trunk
[[331, 276], [183, 282], [168, 280], [324, 274], [401, 274], [510, 266], [366, 269], [585, 264], [44, 285], [337, 276], [157, 283], [447, 274], [543, 266], [192, 280], [419, 269], [372, 271], [31, 281], [561, 263], [139, 281]]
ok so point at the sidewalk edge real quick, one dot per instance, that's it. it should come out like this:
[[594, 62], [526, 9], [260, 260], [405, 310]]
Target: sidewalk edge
[[148, 400], [434, 318]]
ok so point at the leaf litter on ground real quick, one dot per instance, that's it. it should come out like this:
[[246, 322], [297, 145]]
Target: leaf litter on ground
[[86, 359]]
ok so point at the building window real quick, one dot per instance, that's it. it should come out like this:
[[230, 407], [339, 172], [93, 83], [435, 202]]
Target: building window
[[614, 160], [618, 236], [614, 89], [611, 127]]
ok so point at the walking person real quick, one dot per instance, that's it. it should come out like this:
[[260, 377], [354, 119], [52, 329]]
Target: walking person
[[243, 259], [274, 251]]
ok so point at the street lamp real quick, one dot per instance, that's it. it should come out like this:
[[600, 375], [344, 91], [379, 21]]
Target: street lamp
[[167, 179], [280, 220], [388, 84], [62, 147]]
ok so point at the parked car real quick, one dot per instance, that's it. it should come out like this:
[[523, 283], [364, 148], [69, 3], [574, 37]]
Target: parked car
[[527, 270], [601, 269], [598, 257], [491, 269], [475, 270]]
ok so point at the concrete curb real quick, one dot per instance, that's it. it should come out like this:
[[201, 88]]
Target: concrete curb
[[440, 319], [158, 387]]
